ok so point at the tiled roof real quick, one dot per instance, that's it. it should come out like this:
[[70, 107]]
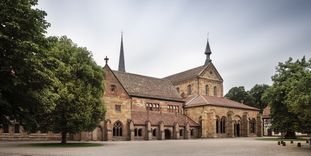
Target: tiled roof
[[149, 87], [139, 117], [201, 100], [266, 112], [186, 75]]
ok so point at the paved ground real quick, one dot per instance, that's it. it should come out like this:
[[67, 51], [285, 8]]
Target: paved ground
[[210, 147]]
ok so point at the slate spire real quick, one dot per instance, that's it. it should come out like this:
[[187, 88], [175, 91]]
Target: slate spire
[[121, 58], [208, 53]]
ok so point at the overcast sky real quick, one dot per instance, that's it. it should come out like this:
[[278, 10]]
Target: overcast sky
[[162, 37]]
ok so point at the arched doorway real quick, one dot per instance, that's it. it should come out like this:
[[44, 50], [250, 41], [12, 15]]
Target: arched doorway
[[167, 134], [237, 129]]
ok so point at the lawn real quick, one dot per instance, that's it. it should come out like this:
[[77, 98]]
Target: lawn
[[78, 144]]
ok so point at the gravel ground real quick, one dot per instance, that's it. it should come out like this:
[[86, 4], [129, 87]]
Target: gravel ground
[[199, 147]]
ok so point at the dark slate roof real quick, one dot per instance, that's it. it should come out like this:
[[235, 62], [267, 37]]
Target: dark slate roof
[[202, 100], [140, 118], [149, 87], [186, 75]]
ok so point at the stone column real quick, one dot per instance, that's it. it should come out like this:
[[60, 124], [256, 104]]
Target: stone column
[[211, 124], [187, 131], [176, 131], [131, 131], [259, 125], [245, 125], [108, 130], [204, 125], [148, 134], [230, 125], [161, 131]]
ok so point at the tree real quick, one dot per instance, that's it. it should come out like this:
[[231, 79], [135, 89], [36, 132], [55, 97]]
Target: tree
[[79, 87], [240, 95], [289, 96], [257, 92], [23, 77]]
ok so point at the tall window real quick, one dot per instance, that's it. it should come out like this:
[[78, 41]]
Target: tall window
[[117, 129], [16, 128], [191, 132], [217, 125], [252, 126], [206, 89], [189, 89], [223, 125], [181, 132], [215, 91]]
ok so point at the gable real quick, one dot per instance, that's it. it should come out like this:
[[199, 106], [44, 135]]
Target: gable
[[211, 73], [111, 80]]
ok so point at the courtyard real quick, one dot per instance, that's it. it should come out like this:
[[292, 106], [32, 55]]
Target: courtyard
[[198, 147]]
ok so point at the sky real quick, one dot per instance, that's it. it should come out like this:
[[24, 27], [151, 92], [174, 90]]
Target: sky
[[163, 37]]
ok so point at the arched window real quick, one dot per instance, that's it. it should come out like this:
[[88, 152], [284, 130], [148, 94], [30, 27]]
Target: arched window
[[154, 132], [191, 132], [223, 125], [189, 89], [135, 131], [181, 132], [117, 129], [206, 89], [215, 91], [113, 89], [217, 125], [140, 132]]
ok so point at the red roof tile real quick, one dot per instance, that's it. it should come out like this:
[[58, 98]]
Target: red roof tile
[[201, 100], [139, 117], [185, 75], [266, 112]]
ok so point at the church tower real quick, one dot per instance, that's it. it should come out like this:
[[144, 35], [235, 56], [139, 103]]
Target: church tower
[[208, 53], [121, 58]]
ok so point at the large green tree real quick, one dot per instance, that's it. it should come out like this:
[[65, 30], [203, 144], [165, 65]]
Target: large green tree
[[240, 95], [23, 76], [78, 85], [257, 92], [289, 97]]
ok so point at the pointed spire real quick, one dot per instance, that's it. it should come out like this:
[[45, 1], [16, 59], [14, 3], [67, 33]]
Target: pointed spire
[[208, 53], [121, 58]]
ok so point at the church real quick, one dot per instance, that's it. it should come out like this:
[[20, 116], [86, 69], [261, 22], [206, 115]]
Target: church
[[186, 105]]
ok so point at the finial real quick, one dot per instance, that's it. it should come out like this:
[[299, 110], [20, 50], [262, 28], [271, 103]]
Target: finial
[[121, 58], [208, 52], [106, 59]]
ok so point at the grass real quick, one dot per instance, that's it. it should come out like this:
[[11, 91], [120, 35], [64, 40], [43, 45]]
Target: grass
[[280, 139], [65, 145]]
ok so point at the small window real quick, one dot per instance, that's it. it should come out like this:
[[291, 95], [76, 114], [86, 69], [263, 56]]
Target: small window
[[154, 132], [118, 108], [16, 128], [113, 88], [215, 91], [189, 89]]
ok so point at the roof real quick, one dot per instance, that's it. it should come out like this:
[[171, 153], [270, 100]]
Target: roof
[[149, 87], [202, 100], [139, 117], [186, 75], [266, 112]]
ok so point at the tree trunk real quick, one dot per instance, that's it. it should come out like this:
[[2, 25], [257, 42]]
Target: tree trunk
[[64, 137], [290, 135]]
